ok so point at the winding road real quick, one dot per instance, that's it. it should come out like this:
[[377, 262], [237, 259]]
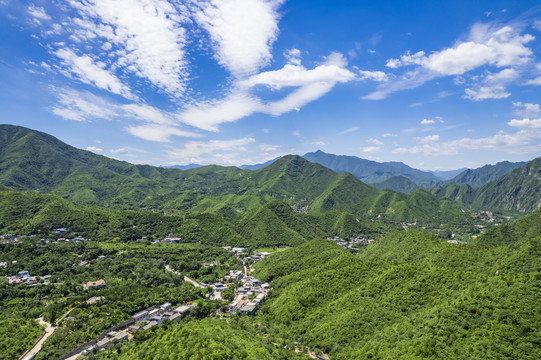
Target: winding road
[[49, 329]]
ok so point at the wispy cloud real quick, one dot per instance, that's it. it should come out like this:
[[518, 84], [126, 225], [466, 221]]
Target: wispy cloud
[[94, 149], [350, 130], [309, 85], [526, 110], [527, 139], [86, 70], [84, 106], [371, 149], [211, 152]]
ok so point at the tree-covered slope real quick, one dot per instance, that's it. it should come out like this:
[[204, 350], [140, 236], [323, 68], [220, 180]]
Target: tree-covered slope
[[519, 190], [397, 183], [202, 339], [479, 177], [272, 224], [410, 295]]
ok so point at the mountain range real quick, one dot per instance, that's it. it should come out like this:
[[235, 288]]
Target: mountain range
[[35, 161]]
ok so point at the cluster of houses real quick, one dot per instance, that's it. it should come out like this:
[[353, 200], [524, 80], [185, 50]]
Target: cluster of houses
[[348, 244], [12, 238], [169, 239], [249, 296], [24, 277], [92, 285], [155, 315], [143, 320]]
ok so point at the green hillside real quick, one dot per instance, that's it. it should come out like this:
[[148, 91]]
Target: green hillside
[[272, 224], [519, 191], [479, 177], [204, 339], [410, 295], [397, 183]]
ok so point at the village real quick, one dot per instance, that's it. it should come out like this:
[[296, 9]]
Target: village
[[245, 295]]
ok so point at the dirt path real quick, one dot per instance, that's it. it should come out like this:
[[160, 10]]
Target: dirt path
[[49, 329]]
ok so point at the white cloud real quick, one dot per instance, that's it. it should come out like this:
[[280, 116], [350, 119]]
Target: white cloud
[[493, 86], [430, 138], [486, 45], [296, 133], [526, 123], [486, 92], [318, 143], [526, 109], [127, 150], [537, 25], [377, 76], [242, 32], [388, 135], [293, 56], [38, 13], [89, 72], [268, 148], [149, 34], [526, 140], [427, 122], [329, 73], [311, 85], [208, 115], [350, 130], [370, 149], [157, 132], [375, 141], [84, 106], [211, 152], [94, 149], [537, 80]]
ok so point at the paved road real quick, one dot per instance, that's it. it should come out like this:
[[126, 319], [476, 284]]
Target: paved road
[[49, 329], [195, 283]]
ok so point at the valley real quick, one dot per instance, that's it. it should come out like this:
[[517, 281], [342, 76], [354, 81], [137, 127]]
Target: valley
[[289, 260]]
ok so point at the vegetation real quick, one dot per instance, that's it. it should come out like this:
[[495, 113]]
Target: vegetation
[[135, 278], [410, 295], [34, 161], [202, 339], [516, 192], [483, 175]]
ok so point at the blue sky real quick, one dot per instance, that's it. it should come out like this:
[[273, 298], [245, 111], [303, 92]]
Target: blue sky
[[436, 84]]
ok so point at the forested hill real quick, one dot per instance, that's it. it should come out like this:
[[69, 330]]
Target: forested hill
[[479, 177], [31, 160], [272, 224], [517, 191], [410, 295]]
